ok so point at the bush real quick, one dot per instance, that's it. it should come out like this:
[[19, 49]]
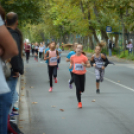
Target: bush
[[88, 50], [130, 57]]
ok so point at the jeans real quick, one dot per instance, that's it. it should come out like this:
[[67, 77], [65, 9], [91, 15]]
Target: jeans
[[5, 105], [12, 82]]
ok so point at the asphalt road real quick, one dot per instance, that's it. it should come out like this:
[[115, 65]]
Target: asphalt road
[[111, 113]]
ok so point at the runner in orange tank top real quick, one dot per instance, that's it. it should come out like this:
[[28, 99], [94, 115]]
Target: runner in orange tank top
[[79, 62]]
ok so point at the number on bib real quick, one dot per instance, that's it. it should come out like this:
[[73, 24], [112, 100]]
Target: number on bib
[[99, 65], [53, 59], [79, 67]]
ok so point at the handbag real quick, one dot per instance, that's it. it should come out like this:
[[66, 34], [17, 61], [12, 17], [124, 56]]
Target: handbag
[[7, 69], [3, 84]]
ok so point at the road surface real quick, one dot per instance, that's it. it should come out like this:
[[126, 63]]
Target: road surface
[[111, 113]]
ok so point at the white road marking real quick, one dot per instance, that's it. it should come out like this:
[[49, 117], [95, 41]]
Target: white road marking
[[121, 85]]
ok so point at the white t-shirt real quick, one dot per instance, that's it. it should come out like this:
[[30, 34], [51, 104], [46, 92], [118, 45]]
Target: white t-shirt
[[1, 21], [41, 49]]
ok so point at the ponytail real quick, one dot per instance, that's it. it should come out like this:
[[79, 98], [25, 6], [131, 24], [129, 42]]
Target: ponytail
[[101, 44]]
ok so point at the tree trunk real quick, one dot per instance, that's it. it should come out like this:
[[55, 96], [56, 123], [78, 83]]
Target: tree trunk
[[116, 40], [91, 44], [123, 31], [95, 36], [104, 35]]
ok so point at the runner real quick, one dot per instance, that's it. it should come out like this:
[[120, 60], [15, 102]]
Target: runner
[[52, 55], [68, 60], [40, 50], [99, 61], [27, 49], [60, 51], [36, 52], [47, 49], [79, 62], [33, 49]]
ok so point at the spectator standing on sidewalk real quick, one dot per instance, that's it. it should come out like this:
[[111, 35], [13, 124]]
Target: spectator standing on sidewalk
[[16, 62], [130, 47], [8, 49], [110, 48]]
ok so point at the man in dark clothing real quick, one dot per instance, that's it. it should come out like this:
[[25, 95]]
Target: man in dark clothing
[[16, 61]]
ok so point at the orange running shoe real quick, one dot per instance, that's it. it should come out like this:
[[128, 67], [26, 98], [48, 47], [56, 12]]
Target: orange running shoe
[[56, 81], [79, 105]]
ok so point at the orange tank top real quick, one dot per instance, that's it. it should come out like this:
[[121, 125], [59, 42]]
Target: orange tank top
[[78, 68], [53, 59]]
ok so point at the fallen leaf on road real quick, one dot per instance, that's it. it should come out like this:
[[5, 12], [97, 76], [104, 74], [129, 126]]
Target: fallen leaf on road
[[34, 102], [23, 95], [22, 88], [63, 117], [21, 120], [62, 110], [31, 87], [20, 127], [53, 106], [43, 133], [22, 79], [93, 100], [118, 81]]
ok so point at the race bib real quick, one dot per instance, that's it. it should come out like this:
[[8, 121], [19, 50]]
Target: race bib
[[53, 59], [99, 65], [79, 67]]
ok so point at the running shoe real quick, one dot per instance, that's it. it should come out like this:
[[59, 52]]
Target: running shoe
[[55, 79], [13, 113], [98, 91], [70, 85], [15, 109], [36, 59], [79, 105], [50, 90], [12, 119]]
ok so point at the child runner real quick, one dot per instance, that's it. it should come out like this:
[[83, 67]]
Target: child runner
[[47, 61], [79, 62], [41, 50], [60, 51], [52, 55], [36, 52], [68, 60], [99, 61], [27, 49]]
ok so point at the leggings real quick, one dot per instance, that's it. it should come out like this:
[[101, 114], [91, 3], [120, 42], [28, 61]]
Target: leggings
[[41, 55], [79, 81], [99, 73], [52, 72], [72, 79], [27, 56]]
